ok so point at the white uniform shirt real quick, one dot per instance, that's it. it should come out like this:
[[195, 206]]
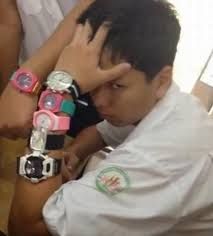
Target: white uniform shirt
[[158, 181], [39, 19]]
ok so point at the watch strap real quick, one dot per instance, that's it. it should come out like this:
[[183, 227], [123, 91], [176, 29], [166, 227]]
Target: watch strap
[[68, 107], [57, 163], [75, 90], [18, 159], [54, 142], [63, 123]]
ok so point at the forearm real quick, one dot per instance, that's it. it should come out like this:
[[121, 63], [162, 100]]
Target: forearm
[[45, 58], [26, 211], [86, 143], [10, 43], [29, 199]]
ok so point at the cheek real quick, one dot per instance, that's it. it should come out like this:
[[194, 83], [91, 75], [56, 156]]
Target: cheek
[[134, 103], [126, 103]]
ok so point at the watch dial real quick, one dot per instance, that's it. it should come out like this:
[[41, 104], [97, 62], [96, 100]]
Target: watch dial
[[34, 167], [63, 78], [50, 102], [38, 139], [43, 121], [59, 81], [24, 81]]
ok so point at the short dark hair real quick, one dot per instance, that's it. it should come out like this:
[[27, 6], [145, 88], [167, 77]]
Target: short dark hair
[[144, 33]]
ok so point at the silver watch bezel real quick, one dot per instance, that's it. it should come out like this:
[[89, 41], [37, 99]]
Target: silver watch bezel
[[53, 81]]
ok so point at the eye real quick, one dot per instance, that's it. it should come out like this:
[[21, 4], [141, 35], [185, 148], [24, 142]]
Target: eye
[[117, 86]]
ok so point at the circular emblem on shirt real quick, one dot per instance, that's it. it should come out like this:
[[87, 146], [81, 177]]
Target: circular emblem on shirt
[[112, 180]]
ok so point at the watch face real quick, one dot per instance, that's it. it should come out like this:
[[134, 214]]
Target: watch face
[[43, 120], [38, 139], [34, 167], [49, 101], [24, 81], [59, 81]]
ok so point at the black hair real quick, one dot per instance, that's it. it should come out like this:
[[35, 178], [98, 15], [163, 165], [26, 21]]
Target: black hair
[[144, 33]]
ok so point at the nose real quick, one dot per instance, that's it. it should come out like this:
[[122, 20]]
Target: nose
[[101, 97]]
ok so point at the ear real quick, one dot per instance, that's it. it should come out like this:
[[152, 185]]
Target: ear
[[163, 80]]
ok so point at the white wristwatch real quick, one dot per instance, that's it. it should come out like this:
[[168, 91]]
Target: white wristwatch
[[37, 167], [63, 82]]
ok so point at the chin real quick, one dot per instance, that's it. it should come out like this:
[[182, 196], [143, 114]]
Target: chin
[[117, 123]]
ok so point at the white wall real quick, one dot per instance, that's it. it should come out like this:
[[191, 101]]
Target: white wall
[[196, 17]]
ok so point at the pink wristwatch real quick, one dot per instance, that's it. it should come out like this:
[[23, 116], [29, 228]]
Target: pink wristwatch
[[25, 81], [55, 102], [50, 121]]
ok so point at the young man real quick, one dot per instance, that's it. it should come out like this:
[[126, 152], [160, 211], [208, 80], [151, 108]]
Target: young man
[[157, 180]]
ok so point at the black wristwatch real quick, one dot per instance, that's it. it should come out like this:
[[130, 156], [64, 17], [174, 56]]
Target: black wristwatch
[[37, 167], [42, 142]]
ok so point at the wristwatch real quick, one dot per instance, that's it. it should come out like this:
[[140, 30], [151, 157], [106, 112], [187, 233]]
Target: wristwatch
[[37, 167], [63, 82], [38, 139], [48, 120], [55, 102], [25, 81], [42, 142]]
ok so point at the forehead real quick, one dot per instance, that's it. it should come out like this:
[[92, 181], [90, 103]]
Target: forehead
[[107, 62]]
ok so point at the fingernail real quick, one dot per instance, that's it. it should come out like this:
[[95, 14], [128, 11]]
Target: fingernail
[[69, 167], [127, 65], [106, 24]]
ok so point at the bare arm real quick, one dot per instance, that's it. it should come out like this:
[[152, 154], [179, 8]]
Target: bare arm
[[205, 93], [10, 43], [26, 211], [25, 217], [86, 143]]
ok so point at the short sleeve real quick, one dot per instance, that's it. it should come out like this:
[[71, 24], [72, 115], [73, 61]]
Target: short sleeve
[[112, 135], [113, 200]]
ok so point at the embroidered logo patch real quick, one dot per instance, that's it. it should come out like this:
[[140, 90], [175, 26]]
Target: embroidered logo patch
[[112, 180]]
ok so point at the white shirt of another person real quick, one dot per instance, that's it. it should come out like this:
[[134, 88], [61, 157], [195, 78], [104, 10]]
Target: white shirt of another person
[[39, 20]]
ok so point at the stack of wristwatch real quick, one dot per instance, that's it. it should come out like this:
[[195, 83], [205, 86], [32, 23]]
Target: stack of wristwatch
[[54, 115]]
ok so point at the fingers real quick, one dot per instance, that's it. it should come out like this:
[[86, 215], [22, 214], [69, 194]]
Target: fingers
[[73, 163], [78, 34], [82, 6], [82, 34], [115, 72], [87, 32], [100, 37]]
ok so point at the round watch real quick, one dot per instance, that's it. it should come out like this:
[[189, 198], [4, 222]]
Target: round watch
[[25, 81], [37, 167], [55, 102], [48, 120], [61, 81]]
